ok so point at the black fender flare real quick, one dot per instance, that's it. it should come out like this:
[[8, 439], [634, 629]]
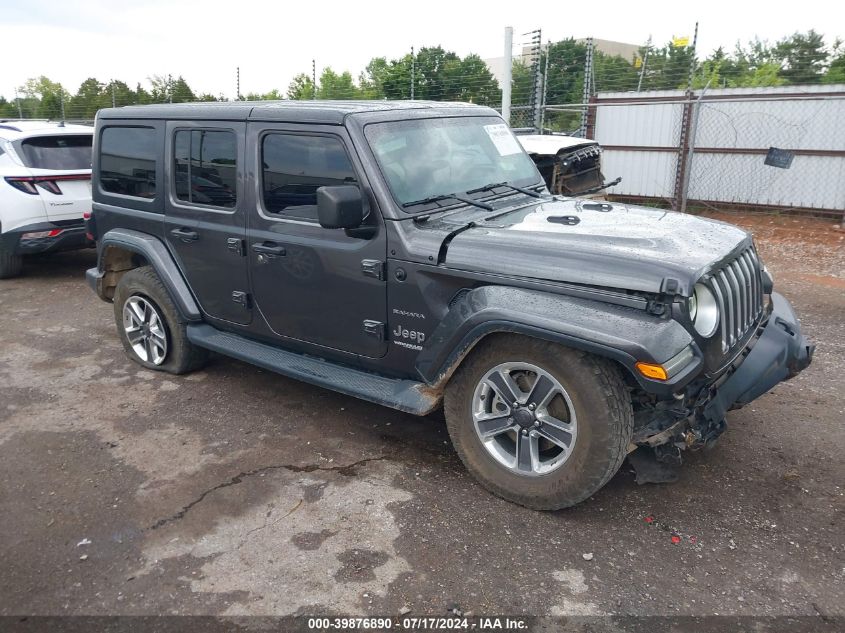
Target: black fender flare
[[623, 334], [155, 252]]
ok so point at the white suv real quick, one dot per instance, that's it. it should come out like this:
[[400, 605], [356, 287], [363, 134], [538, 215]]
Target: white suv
[[45, 188]]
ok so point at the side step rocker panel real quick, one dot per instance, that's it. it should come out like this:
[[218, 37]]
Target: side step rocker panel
[[404, 395]]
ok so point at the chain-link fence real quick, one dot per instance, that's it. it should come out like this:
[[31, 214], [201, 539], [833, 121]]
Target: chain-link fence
[[778, 148]]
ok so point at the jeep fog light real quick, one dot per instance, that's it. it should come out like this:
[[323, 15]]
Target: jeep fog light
[[704, 311]]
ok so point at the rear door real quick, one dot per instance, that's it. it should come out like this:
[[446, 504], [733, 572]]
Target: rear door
[[60, 166], [205, 226]]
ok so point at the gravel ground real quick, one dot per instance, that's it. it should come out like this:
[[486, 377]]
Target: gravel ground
[[239, 492]]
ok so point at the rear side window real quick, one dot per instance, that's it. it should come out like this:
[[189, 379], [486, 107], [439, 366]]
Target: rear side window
[[57, 152], [128, 161], [206, 167], [294, 167]]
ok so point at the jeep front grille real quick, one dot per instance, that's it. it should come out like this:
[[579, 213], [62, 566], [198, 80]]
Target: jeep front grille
[[738, 287]]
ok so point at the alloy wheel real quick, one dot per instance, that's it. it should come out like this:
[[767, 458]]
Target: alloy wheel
[[524, 418], [145, 330]]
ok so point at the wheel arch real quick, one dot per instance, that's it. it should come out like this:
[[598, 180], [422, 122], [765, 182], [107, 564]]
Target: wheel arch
[[621, 334], [122, 250]]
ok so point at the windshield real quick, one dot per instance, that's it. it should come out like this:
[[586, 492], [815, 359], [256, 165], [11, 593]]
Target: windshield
[[424, 158], [57, 152]]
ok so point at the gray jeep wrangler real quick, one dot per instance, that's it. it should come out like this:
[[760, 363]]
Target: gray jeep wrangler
[[410, 254]]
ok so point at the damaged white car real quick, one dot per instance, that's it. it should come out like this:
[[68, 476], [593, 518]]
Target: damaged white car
[[571, 166]]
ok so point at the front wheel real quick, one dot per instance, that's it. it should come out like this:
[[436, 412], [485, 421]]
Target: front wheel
[[541, 425]]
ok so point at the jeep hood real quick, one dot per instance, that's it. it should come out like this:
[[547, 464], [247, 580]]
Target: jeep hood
[[592, 243]]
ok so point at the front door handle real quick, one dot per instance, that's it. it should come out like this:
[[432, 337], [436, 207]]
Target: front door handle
[[269, 249], [186, 235]]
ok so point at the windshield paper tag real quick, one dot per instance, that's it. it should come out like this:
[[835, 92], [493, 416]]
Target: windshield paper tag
[[502, 138]]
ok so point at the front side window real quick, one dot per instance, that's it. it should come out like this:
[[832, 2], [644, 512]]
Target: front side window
[[57, 152], [295, 166], [205, 167], [128, 161], [423, 158]]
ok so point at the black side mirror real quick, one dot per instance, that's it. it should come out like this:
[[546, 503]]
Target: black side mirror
[[340, 207]]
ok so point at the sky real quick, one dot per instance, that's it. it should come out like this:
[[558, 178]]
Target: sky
[[205, 41]]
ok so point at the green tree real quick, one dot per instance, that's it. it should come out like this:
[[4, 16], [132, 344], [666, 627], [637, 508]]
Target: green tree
[[87, 100], [522, 82], [836, 70], [118, 93], [44, 97], [707, 75], [159, 88], [371, 81], [477, 84], [8, 109], [802, 57], [142, 97], [336, 86], [613, 73], [301, 87], [181, 91], [766, 74]]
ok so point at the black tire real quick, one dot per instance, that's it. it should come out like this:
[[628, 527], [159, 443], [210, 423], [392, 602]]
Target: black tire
[[181, 356], [11, 264], [600, 400]]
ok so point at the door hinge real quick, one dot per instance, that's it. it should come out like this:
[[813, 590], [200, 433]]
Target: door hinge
[[374, 328], [240, 297], [373, 268], [236, 245]]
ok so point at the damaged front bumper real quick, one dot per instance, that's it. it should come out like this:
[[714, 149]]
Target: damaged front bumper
[[778, 352]]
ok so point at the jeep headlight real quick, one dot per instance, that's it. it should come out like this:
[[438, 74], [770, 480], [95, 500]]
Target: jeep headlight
[[703, 310]]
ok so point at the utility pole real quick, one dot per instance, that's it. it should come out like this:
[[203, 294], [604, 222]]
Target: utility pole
[[313, 79], [413, 70], [506, 75]]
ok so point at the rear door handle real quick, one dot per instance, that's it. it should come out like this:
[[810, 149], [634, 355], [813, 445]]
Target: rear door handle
[[269, 249], [186, 235]]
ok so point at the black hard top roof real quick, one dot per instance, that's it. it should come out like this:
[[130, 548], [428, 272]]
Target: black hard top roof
[[331, 112]]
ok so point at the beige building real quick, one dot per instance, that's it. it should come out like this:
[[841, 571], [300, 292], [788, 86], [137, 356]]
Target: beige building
[[608, 47]]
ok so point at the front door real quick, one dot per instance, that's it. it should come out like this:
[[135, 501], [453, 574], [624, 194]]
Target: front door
[[205, 224], [321, 286]]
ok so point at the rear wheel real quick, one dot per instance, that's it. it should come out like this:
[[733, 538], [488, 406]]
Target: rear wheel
[[11, 263], [149, 325], [538, 424]]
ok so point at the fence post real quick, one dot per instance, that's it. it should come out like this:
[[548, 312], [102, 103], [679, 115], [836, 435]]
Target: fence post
[[536, 41], [681, 176], [545, 87], [592, 114], [691, 151], [588, 88]]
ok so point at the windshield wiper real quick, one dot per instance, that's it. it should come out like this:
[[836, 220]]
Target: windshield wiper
[[493, 185], [448, 196]]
